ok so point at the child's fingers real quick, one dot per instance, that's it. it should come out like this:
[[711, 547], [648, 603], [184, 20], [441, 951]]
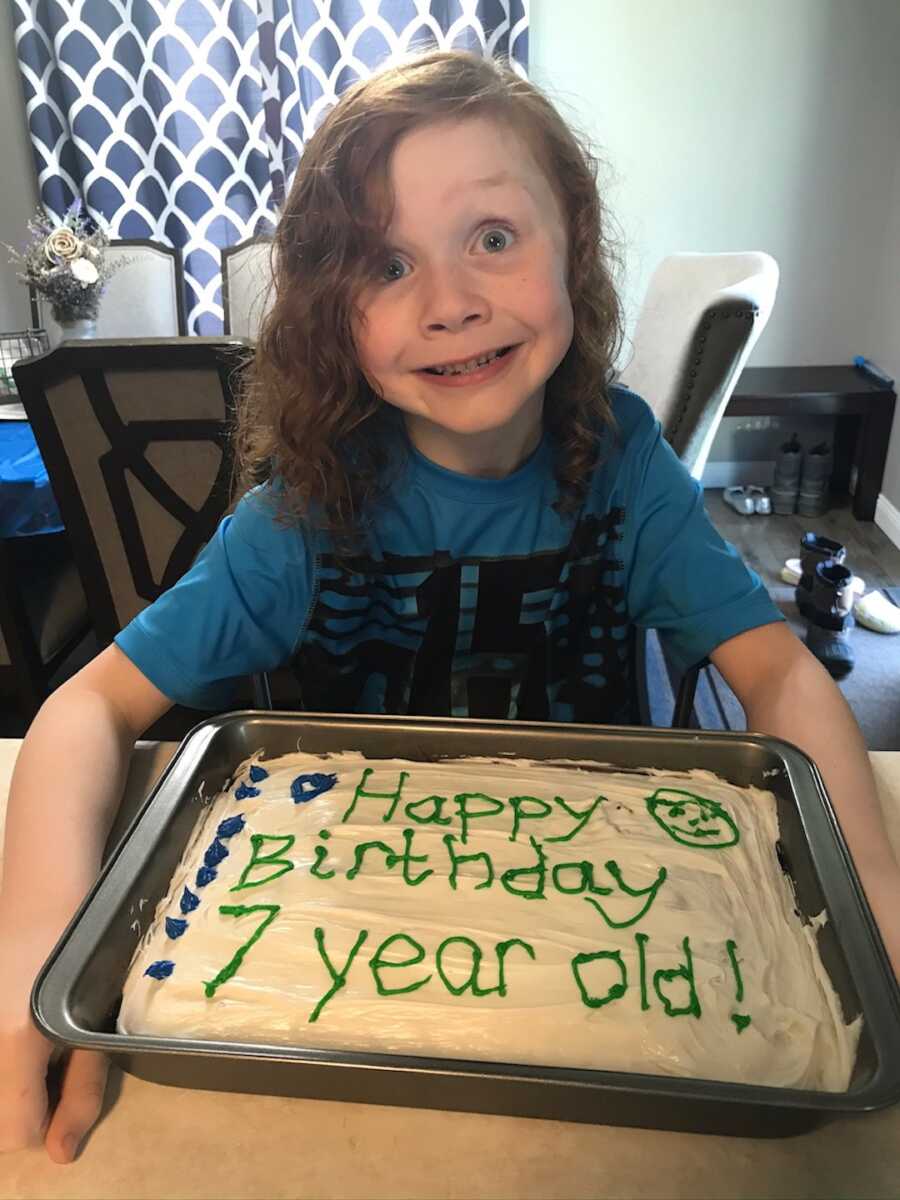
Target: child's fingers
[[80, 1101], [23, 1094]]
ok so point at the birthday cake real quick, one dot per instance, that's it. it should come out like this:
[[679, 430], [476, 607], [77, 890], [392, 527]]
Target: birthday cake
[[501, 910]]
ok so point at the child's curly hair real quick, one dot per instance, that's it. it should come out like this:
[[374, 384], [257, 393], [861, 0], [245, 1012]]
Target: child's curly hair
[[307, 415]]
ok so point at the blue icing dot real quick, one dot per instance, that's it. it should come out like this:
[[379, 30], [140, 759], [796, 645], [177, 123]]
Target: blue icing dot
[[258, 773], [206, 875], [188, 901], [161, 969], [243, 792], [216, 852], [307, 787], [175, 926], [230, 826]]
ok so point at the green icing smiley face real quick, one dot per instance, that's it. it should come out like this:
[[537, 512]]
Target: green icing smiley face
[[691, 820]]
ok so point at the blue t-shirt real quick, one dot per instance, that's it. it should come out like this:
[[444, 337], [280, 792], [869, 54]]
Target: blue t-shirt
[[473, 598]]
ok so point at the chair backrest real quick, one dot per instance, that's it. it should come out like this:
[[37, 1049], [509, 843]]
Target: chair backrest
[[135, 437], [701, 317], [247, 290], [143, 298]]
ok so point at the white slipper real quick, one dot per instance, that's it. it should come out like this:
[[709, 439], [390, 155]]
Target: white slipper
[[876, 612], [792, 572]]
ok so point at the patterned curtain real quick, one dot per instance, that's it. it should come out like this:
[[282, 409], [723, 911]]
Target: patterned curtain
[[183, 120]]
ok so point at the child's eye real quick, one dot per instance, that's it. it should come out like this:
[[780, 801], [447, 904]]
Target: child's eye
[[394, 269], [495, 240]]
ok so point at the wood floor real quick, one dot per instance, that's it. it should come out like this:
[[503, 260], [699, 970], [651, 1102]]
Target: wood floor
[[766, 541], [872, 689]]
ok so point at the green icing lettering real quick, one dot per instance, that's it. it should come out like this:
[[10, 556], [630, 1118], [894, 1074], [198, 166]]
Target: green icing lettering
[[642, 940], [321, 853], [741, 1022], [241, 910], [362, 849], [434, 817], [378, 963], [685, 972], [338, 978], [615, 990], [650, 892], [392, 858], [581, 817], [281, 865], [408, 857], [467, 814], [517, 873], [362, 794], [692, 820], [732, 955], [585, 881], [457, 859], [501, 949], [521, 812]]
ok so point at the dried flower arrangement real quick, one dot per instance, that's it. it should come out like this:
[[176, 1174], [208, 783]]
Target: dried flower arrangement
[[64, 261]]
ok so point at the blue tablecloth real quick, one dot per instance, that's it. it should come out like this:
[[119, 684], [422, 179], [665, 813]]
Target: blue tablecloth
[[27, 504]]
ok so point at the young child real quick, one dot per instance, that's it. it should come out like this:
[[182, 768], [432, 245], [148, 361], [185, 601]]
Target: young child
[[457, 512]]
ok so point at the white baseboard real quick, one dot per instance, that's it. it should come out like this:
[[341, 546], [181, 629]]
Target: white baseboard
[[728, 474], [887, 518]]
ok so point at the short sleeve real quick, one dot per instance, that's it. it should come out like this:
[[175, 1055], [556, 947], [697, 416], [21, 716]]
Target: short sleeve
[[684, 580], [238, 610]]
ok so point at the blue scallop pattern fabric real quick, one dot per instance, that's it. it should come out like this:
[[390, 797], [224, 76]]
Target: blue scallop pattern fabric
[[183, 120]]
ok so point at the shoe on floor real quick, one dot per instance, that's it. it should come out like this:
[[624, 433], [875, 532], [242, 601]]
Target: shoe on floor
[[737, 498], [832, 648], [792, 572], [814, 549], [876, 612], [761, 502]]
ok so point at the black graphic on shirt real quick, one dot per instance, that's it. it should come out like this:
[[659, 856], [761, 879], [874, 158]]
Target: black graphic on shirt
[[538, 637]]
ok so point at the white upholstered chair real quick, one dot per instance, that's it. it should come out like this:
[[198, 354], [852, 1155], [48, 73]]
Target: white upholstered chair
[[144, 298], [701, 317], [247, 290]]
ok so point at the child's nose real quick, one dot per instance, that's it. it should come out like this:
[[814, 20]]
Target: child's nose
[[451, 305]]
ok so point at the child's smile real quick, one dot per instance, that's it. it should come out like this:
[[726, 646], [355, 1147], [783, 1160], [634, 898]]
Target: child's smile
[[472, 314], [476, 369]]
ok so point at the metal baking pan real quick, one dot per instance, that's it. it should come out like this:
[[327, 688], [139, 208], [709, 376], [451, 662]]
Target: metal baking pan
[[76, 997]]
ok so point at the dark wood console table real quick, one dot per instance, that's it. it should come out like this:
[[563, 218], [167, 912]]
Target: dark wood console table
[[864, 409]]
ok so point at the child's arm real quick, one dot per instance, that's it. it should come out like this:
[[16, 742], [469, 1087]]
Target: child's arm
[[786, 692], [65, 790]]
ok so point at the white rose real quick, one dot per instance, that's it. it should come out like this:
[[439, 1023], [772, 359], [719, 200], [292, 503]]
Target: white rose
[[85, 272], [62, 246]]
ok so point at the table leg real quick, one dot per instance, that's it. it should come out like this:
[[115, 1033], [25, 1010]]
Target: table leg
[[873, 446]]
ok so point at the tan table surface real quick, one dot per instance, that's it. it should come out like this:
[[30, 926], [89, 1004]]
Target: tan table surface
[[156, 1141]]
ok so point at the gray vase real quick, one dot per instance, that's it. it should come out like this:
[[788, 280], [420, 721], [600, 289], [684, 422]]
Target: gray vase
[[77, 330]]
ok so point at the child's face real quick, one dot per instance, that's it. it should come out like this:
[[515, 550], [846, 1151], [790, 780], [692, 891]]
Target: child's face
[[477, 264]]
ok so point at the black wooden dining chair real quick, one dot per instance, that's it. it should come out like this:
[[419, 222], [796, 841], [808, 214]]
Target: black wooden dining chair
[[135, 438]]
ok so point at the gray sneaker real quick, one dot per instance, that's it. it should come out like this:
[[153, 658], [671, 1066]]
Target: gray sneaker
[[761, 502], [738, 499], [815, 482], [786, 484]]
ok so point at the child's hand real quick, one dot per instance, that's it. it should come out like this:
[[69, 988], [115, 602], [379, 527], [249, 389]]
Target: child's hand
[[25, 1116]]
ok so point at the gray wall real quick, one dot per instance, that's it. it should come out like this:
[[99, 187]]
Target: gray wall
[[726, 125], [769, 125], [18, 185]]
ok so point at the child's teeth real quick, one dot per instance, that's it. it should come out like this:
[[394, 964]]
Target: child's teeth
[[471, 365]]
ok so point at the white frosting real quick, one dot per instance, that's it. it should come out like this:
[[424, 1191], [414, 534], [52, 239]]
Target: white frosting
[[796, 1035]]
